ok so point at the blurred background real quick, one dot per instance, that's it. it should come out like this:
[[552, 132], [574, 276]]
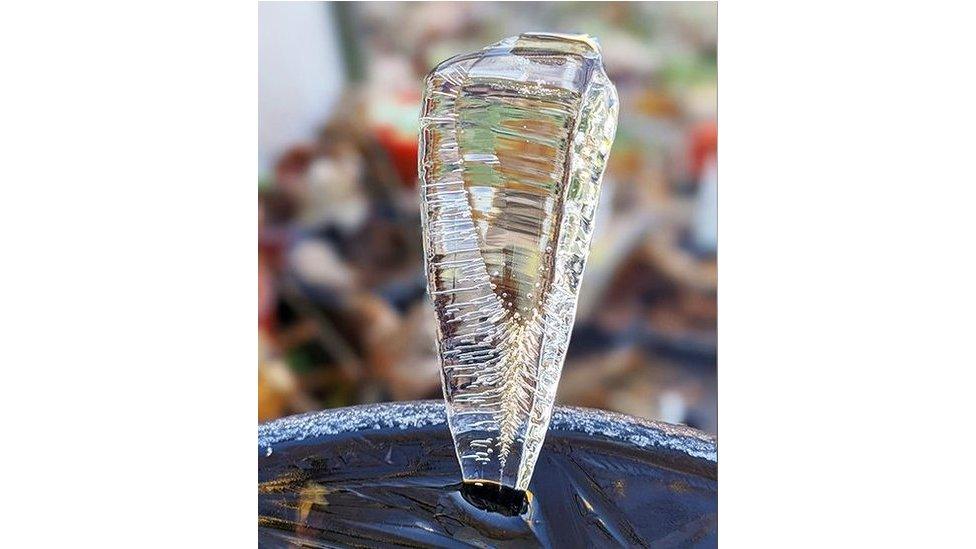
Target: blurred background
[[343, 315]]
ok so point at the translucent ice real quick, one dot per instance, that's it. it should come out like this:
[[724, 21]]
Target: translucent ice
[[514, 142]]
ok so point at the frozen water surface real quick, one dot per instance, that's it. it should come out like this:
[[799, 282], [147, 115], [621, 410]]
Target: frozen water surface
[[639, 432], [386, 475]]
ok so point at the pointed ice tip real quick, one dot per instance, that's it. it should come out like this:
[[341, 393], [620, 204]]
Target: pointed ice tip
[[514, 141]]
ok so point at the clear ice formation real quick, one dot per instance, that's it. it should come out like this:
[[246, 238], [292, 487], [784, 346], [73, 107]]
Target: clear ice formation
[[514, 141]]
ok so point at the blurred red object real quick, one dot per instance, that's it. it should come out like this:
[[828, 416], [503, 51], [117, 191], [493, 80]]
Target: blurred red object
[[403, 152], [395, 125], [267, 297], [702, 145], [293, 165]]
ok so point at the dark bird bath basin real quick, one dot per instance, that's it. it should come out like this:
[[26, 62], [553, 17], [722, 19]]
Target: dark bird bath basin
[[386, 475]]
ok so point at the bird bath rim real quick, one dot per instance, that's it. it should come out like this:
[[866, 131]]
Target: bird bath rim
[[631, 430]]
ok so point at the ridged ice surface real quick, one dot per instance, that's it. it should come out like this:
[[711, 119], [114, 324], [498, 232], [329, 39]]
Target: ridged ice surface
[[514, 142]]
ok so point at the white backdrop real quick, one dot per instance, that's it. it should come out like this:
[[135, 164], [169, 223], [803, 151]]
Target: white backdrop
[[300, 74]]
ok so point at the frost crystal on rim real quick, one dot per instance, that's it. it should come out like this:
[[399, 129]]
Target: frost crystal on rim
[[514, 142]]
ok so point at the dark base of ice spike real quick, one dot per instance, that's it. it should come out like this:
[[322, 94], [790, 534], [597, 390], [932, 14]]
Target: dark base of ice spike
[[496, 498]]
